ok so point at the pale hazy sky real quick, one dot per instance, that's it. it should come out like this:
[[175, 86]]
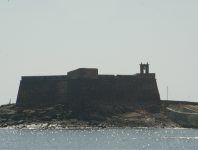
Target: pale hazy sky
[[46, 37]]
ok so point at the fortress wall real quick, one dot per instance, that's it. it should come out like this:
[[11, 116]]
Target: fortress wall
[[85, 92], [80, 93], [40, 91], [148, 91], [91, 94], [113, 90], [135, 91]]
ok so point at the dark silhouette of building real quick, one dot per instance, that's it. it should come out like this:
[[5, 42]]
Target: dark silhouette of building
[[85, 88]]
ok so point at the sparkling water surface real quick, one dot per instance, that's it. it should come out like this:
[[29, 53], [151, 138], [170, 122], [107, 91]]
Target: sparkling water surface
[[99, 139]]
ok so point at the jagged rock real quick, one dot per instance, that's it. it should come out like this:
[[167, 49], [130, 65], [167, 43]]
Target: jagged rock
[[62, 117]]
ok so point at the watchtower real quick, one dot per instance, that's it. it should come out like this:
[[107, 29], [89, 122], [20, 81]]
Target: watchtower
[[144, 68]]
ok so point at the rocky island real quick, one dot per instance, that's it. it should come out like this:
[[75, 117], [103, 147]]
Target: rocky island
[[58, 117], [85, 99]]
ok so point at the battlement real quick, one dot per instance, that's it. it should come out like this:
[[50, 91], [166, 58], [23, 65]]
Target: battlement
[[144, 68]]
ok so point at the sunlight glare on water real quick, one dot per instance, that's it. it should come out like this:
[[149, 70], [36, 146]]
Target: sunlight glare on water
[[100, 139]]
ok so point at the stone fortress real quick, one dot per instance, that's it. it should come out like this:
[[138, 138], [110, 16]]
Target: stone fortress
[[85, 88]]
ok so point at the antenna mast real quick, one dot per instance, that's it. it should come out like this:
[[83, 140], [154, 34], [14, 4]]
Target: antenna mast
[[167, 92]]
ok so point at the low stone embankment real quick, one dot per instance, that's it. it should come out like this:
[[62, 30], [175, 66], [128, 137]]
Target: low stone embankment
[[185, 115], [61, 117]]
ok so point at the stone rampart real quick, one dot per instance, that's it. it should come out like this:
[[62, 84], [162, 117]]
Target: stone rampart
[[88, 92], [41, 91]]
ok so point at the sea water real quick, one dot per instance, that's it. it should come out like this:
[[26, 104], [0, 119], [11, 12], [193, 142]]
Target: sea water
[[99, 139]]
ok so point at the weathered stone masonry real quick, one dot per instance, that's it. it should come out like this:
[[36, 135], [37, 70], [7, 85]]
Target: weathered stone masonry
[[84, 87]]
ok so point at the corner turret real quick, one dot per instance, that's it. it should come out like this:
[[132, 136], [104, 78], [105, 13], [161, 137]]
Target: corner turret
[[144, 71], [144, 68]]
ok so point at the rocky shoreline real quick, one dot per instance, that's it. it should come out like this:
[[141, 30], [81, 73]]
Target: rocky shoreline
[[58, 118]]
